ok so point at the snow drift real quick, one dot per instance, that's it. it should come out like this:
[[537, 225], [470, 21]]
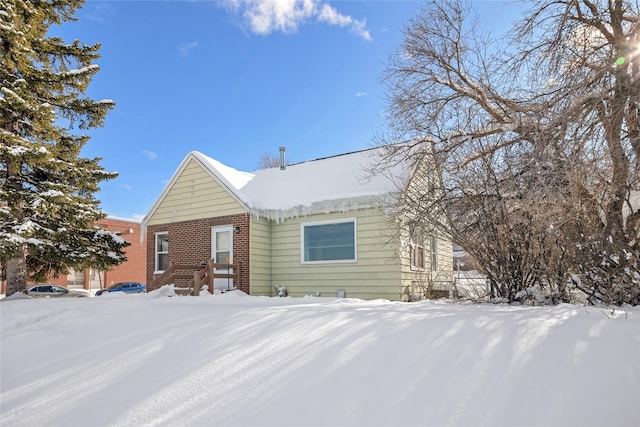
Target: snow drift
[[236, 360]]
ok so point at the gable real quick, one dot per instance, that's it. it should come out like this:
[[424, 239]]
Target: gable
[[193, 193]]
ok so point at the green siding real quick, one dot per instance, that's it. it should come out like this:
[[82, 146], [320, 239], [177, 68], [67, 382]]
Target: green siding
[[375, 274], [260, 248], [413, 278], [195, 195], [445, 261]]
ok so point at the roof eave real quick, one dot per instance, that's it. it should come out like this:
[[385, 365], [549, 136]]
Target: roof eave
[[378, 201]]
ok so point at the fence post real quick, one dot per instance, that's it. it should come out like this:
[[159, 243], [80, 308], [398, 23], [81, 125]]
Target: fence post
[[238, 274], [210, 271], [196, 283]]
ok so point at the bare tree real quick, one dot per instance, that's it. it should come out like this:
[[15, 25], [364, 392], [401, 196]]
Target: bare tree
[[536, 141], [269, 160]]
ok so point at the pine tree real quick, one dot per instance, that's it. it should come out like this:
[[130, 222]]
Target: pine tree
[[47, 203]]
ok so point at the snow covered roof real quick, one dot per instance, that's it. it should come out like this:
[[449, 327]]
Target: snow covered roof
[[330, 184]]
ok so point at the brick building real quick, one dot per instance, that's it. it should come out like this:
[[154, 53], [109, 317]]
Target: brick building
[[134, 269]]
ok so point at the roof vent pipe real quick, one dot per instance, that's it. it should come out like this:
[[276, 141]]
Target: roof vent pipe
[[282, 158]]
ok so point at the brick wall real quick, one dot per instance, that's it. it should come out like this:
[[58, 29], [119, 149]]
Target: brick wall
[[135, 268], [190, 243]]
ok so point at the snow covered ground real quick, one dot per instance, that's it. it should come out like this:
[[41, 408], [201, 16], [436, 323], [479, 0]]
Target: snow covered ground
[[237, 360]]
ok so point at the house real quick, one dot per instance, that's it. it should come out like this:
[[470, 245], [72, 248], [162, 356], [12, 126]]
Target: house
[[317, 227], [134, 269]]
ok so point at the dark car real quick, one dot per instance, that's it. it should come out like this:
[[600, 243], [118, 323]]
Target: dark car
[[48, 290], [126, 287]]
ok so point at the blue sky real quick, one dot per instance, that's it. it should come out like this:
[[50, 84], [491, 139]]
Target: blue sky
[[234, 80]]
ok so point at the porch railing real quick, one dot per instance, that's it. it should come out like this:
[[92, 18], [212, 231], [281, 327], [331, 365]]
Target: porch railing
[[197, 275]]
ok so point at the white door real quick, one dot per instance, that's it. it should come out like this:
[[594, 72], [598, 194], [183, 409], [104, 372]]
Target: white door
[[222, 253]]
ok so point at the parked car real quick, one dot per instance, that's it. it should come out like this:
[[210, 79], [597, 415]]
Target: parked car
[[49, 290], [126, 287]]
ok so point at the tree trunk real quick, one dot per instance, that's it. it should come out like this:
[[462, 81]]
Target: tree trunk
[[16, 274]]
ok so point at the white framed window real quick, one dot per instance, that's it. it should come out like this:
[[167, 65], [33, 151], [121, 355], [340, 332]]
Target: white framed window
[[434, 252], [162, 251], [416, 250], [328, 241]]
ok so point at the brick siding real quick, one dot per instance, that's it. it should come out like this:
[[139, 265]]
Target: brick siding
[[190, 243], [134, 268]]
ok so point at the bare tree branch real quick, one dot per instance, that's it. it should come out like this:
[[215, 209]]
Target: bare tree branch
[[536, 140]]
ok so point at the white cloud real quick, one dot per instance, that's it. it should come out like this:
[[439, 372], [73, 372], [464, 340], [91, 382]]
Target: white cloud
[[268, 16], [359, 94], [150, 154], [331, 16], [185, 49]]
